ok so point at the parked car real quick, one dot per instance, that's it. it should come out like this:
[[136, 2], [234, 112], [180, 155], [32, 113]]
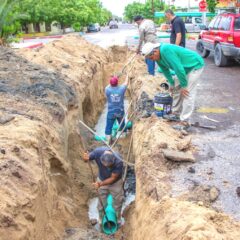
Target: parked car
[[222, 37], [194, 24], [113, 24], [93, 27]]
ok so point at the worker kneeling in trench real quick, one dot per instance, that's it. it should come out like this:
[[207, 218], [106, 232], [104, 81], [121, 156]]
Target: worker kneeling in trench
[[109, 181]]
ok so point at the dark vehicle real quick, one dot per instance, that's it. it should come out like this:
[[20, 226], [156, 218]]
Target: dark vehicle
[[93, 27], [222, 37], [113, 24]]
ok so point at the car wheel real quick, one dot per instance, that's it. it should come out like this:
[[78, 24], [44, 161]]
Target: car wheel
[[201, 50], [219, 58]]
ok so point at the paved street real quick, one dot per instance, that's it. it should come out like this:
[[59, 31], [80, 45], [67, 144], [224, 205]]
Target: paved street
[[218, 99]]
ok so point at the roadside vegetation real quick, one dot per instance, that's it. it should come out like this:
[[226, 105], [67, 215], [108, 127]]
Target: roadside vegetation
[[15, 15]]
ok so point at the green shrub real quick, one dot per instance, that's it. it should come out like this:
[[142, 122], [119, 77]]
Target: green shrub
[[77, 27]]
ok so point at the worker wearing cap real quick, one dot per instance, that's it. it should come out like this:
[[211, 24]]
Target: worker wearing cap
[[188, 66], [110, 166], [115, 98], [147, 33]]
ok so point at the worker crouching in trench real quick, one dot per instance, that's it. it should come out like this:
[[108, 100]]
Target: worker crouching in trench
[[109, 181]]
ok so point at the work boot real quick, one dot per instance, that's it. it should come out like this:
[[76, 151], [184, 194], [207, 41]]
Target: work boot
[[172, 117], [124, 134], [109, 139]]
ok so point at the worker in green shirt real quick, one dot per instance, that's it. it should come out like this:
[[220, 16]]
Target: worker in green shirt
[[187, 65]]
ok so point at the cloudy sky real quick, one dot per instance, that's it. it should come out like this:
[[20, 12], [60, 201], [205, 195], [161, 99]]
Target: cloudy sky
[[117, 6]]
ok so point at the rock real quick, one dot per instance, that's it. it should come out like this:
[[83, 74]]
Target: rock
[[211, 153], [66, 66], [16, 149], [3, 151], [29, 217], [184, 132], [145, 114], [184, 145], [210, 171], [238, 191], [177, 156], [16, 174], [214, 193], [191, 170], [93, 222], [5, 119], [70, 231], [163, 145]]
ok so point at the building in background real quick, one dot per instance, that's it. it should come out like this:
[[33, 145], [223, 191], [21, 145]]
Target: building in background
[[228, 6]]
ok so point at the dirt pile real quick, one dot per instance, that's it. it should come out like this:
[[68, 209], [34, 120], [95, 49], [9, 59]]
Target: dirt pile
[[45, 185], [156, 214]]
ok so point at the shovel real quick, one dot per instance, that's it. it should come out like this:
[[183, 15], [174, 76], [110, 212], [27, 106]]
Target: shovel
[[198, 125]]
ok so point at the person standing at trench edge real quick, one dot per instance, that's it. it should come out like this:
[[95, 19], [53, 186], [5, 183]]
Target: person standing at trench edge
[[178, 30], [110, 166], [147, 33], [115, 98], [188, 66]]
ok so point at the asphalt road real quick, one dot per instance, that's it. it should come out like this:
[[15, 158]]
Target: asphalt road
[[218, 98]]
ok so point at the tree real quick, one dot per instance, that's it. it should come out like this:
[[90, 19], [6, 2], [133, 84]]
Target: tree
[[69, 13], [134, 9], [66, 12], [212, 5], [146, 10], [9, 19], [105, 16]]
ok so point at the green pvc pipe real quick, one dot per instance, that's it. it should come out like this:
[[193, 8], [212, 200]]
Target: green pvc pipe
[[109, 221], [114, 131], [100, 138]]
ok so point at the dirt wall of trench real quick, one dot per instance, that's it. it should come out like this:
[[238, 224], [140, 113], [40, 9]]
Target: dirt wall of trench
[[155, 213], [43, 94]]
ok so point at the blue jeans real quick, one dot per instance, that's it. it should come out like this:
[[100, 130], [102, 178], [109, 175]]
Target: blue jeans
[[110, 122], [151, 66]]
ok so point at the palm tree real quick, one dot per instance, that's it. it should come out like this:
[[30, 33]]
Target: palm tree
[[6, 7]]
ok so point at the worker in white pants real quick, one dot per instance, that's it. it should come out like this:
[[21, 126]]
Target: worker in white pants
[[184, 106], [187, 65]]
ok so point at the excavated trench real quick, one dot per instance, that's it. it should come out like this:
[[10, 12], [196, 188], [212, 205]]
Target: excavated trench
[[46, 187]]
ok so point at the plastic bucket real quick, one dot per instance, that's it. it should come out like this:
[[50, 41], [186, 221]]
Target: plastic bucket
[[162, 104]]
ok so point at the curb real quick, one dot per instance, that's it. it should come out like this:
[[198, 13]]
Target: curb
[[192, 38], [43, 37], [35, 45]]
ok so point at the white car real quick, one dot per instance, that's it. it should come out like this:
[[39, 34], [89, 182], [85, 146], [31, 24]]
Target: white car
[[194, 24]]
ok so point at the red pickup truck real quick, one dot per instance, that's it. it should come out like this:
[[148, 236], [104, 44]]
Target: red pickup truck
[[222, 37]]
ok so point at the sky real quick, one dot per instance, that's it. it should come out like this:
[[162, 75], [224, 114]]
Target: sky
[[117, 6]]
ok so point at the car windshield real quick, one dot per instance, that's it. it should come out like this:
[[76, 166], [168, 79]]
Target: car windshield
[[237, 23], [198, 20]]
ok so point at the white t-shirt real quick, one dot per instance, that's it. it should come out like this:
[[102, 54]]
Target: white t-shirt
[[147, 32]]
